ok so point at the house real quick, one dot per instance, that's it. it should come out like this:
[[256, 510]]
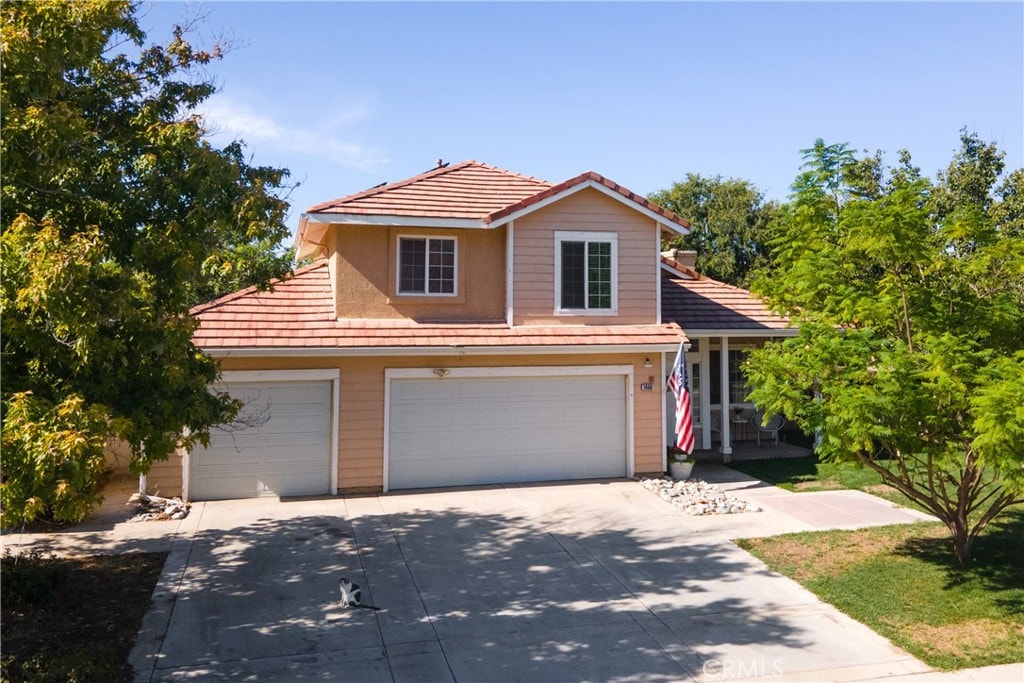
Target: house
[[468, 325]]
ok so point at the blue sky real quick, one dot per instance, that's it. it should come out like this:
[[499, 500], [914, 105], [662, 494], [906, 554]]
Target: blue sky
[[349, 95]]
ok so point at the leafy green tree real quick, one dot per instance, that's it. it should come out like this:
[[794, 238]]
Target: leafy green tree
[[729, 218], [910, 300], [117, 216]]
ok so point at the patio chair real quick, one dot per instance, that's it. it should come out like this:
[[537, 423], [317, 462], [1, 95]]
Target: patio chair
[[772, 425], [714, 423]]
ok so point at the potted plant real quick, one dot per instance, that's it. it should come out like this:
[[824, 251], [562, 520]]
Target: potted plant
[[680, 465]]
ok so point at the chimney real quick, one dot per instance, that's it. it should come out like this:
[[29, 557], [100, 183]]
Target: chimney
[[685, 258]]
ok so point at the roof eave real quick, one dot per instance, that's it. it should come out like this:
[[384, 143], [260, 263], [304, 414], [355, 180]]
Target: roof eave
[[304, 246], [454, 350], [313, 227], [743, 332], [395, 220]]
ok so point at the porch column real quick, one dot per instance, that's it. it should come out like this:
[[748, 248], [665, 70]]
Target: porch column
[[726, 420], [704, 358]]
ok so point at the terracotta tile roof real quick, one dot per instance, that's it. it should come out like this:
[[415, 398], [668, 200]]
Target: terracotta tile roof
[[298, 313], [464, 195], [698, 304], [468, 190], [471, 190]]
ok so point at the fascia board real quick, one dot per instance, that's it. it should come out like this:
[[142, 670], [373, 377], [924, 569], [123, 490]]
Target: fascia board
[[509, 371], [397, 221], [743, 332], [392, 351], [673, 271]]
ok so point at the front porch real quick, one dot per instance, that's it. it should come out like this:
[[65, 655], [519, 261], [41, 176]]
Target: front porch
[[750, 450]]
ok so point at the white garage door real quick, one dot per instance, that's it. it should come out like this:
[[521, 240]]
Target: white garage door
[[280, 445], [486, 430]]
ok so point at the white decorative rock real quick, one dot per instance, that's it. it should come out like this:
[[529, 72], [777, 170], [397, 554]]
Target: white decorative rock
[[696, 497]]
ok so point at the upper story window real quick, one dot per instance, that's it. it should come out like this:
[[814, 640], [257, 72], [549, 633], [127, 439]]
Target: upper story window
[[426, 265], [586, 272]]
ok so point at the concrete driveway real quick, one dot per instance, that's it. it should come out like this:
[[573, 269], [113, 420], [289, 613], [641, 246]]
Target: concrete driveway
[[588, 581]]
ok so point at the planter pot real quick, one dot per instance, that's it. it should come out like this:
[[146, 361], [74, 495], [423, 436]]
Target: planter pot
[[680, 470]]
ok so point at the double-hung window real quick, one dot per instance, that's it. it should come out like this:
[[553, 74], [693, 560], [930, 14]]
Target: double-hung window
[[586, 272], [426, 265]]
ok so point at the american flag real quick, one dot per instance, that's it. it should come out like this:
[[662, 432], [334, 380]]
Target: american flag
[[679, 383]]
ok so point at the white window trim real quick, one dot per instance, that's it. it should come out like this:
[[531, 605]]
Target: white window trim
[[426, 283], [572, 236]]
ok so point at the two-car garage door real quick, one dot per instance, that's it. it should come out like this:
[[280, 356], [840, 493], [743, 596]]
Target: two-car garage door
[[478, 428], [447, 428]]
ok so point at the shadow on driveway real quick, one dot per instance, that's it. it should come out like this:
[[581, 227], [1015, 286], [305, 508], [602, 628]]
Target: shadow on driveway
[[574, 582]]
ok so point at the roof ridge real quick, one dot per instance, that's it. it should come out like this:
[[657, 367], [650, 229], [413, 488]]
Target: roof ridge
[[386, 187], [512, 173], [233, 296]]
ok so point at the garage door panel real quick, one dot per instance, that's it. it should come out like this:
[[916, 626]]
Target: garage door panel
[[479, 389], [519, 467], [281, 447], [255, 448], [430, 416], [590, 412], [459, 431], [413, 391], [561, 388]]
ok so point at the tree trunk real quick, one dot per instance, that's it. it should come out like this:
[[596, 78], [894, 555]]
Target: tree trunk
[[963, 541]]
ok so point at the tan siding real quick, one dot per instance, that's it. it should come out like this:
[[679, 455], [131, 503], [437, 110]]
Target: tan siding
[[117, 455], [361, 427], [165, 477], [587, 210]]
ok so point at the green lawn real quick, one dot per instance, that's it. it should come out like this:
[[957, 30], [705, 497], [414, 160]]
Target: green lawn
[[901, 581], [810, 474]]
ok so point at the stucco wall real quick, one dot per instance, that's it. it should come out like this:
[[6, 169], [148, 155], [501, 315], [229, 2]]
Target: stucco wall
[[364, 264], [361, 403], [586, 211]]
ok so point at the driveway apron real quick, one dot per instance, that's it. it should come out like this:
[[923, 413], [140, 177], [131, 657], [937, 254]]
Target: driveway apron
[[585, 581]]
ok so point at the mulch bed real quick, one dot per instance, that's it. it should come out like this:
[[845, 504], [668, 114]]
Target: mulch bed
[[73, 618]]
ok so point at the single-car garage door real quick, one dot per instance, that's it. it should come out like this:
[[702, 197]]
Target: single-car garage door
[[279, 446], [456, 431]]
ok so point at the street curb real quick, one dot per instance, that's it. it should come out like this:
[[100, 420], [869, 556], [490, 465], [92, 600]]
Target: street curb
[[146, 652]]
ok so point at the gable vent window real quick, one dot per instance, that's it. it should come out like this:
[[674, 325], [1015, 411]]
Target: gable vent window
[[586, 277], [426, 265]]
